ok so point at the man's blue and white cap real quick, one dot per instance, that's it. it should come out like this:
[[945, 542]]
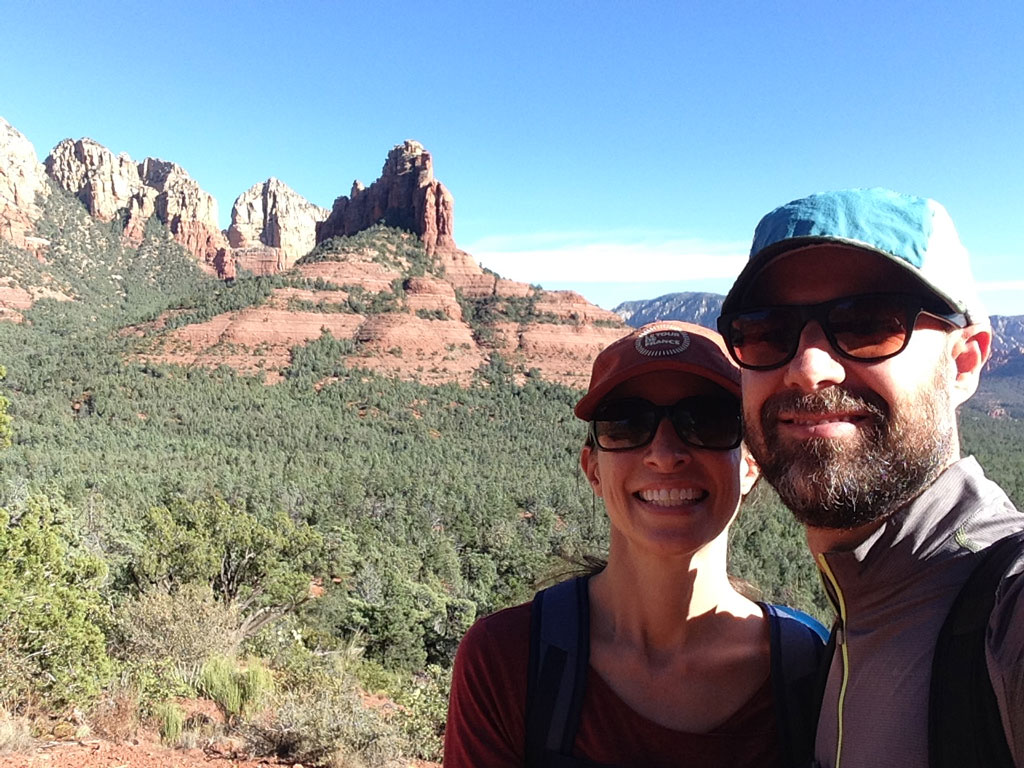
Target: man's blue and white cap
[[915, 233]]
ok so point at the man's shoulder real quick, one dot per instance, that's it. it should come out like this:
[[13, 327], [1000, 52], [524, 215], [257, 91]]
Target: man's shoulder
[[1007, 620], [1004, 651]]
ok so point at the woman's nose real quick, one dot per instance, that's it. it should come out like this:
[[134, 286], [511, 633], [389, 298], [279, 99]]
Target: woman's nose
[[666, 449]]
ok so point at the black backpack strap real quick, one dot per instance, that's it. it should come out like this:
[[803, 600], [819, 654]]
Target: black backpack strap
[[798, 653], [964, 725], [557, 677]]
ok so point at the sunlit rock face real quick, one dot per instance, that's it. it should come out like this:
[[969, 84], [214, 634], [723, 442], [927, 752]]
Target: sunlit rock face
[[114, 186], [22, 179], [272, 214]]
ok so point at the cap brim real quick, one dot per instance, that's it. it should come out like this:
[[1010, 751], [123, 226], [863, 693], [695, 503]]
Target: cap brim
[[768, 255], [588, 403]]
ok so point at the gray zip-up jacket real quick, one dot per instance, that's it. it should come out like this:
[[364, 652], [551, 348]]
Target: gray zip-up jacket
[[892, 594]]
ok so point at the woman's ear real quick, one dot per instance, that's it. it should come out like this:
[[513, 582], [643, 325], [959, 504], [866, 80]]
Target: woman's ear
[[588, 461], [749, 471]]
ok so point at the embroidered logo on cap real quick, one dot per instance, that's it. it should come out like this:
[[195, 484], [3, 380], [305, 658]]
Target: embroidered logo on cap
[[661, 342]]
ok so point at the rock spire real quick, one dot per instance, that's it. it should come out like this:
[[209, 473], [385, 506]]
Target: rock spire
[[406, 196]]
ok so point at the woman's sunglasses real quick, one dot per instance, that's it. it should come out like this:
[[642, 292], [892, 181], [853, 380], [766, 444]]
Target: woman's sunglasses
[[702, 421], [867, 328]]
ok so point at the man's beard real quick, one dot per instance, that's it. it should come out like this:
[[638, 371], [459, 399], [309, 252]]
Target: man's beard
[[847, 483]]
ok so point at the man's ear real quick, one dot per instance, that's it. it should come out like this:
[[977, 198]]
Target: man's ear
[[588, 461], [750, 471], [970, 351]]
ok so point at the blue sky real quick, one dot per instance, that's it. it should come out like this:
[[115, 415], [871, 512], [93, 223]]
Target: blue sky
[[624, 150]]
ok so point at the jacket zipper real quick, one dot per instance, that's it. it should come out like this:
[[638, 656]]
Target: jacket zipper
[[840, 604]]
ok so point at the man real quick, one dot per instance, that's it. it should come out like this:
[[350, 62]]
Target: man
[[859, 330]]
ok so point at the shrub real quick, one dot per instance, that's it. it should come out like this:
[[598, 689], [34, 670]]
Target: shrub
[[171, 721], [171, 635], [15, 732], [116, 715], [219, 681], [330, 725], [237, 691]]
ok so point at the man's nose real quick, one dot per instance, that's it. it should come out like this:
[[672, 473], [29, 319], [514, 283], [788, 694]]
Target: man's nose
[[816, 364]]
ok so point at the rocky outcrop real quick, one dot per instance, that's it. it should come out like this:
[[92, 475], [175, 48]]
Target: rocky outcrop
[[113, 186], [259, 260], [465, 274], [224, 264], [571, 307], [406, 196], [273, 214], [22, 180], [431, 295]]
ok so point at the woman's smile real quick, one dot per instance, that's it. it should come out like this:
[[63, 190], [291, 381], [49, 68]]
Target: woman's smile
[[672, 497]]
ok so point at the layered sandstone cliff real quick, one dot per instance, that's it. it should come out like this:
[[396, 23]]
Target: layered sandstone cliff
[[22, 181], [113, 186], [274, 215]]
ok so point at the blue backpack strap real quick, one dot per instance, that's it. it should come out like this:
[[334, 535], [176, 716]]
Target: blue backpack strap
[[964, 725], [797, 653], [557, 676]]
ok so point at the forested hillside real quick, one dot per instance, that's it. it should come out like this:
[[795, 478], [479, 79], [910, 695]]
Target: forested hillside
[[174, 531]]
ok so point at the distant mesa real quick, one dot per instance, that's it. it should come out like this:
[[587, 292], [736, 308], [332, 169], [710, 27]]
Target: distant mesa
[[700, 308]]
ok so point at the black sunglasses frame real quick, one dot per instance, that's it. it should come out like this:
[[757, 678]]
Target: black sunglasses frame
[[912, 307], [686, 407]]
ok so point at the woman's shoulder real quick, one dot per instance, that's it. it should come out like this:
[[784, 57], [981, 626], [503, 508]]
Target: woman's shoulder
[[502, 637], [508, 627]]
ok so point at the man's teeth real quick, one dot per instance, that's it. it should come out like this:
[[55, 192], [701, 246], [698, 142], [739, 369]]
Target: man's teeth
[[670, 496]]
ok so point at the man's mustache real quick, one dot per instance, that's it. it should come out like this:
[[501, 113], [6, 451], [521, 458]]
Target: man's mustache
[[823, 402]]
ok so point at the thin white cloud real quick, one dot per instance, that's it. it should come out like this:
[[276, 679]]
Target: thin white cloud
[[619, 257]]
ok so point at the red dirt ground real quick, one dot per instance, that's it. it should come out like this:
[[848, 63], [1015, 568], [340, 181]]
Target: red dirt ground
[[103, 754], [134, 754]]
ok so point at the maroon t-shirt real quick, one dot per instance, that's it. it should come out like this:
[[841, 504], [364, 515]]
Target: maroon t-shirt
[[486, 714]]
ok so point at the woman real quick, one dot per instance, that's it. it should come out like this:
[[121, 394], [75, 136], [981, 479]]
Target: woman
[[675, 667]]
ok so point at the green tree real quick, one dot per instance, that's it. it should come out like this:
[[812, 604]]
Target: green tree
[[51, 607], [263, 567], [5, 420]]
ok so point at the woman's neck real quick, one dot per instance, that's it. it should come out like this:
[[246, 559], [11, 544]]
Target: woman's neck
[[661, 602]]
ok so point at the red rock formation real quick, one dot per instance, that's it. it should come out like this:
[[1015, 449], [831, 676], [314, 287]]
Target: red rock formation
[[370, 275], [22, 179], [259, 260], [224, 263], [273, 214], [112, 186], [431, 294], [571, 307], [406, 196]]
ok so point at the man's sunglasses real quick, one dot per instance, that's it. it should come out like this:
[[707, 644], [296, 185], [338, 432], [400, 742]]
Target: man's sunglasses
[[866, 328], [702, 421]]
